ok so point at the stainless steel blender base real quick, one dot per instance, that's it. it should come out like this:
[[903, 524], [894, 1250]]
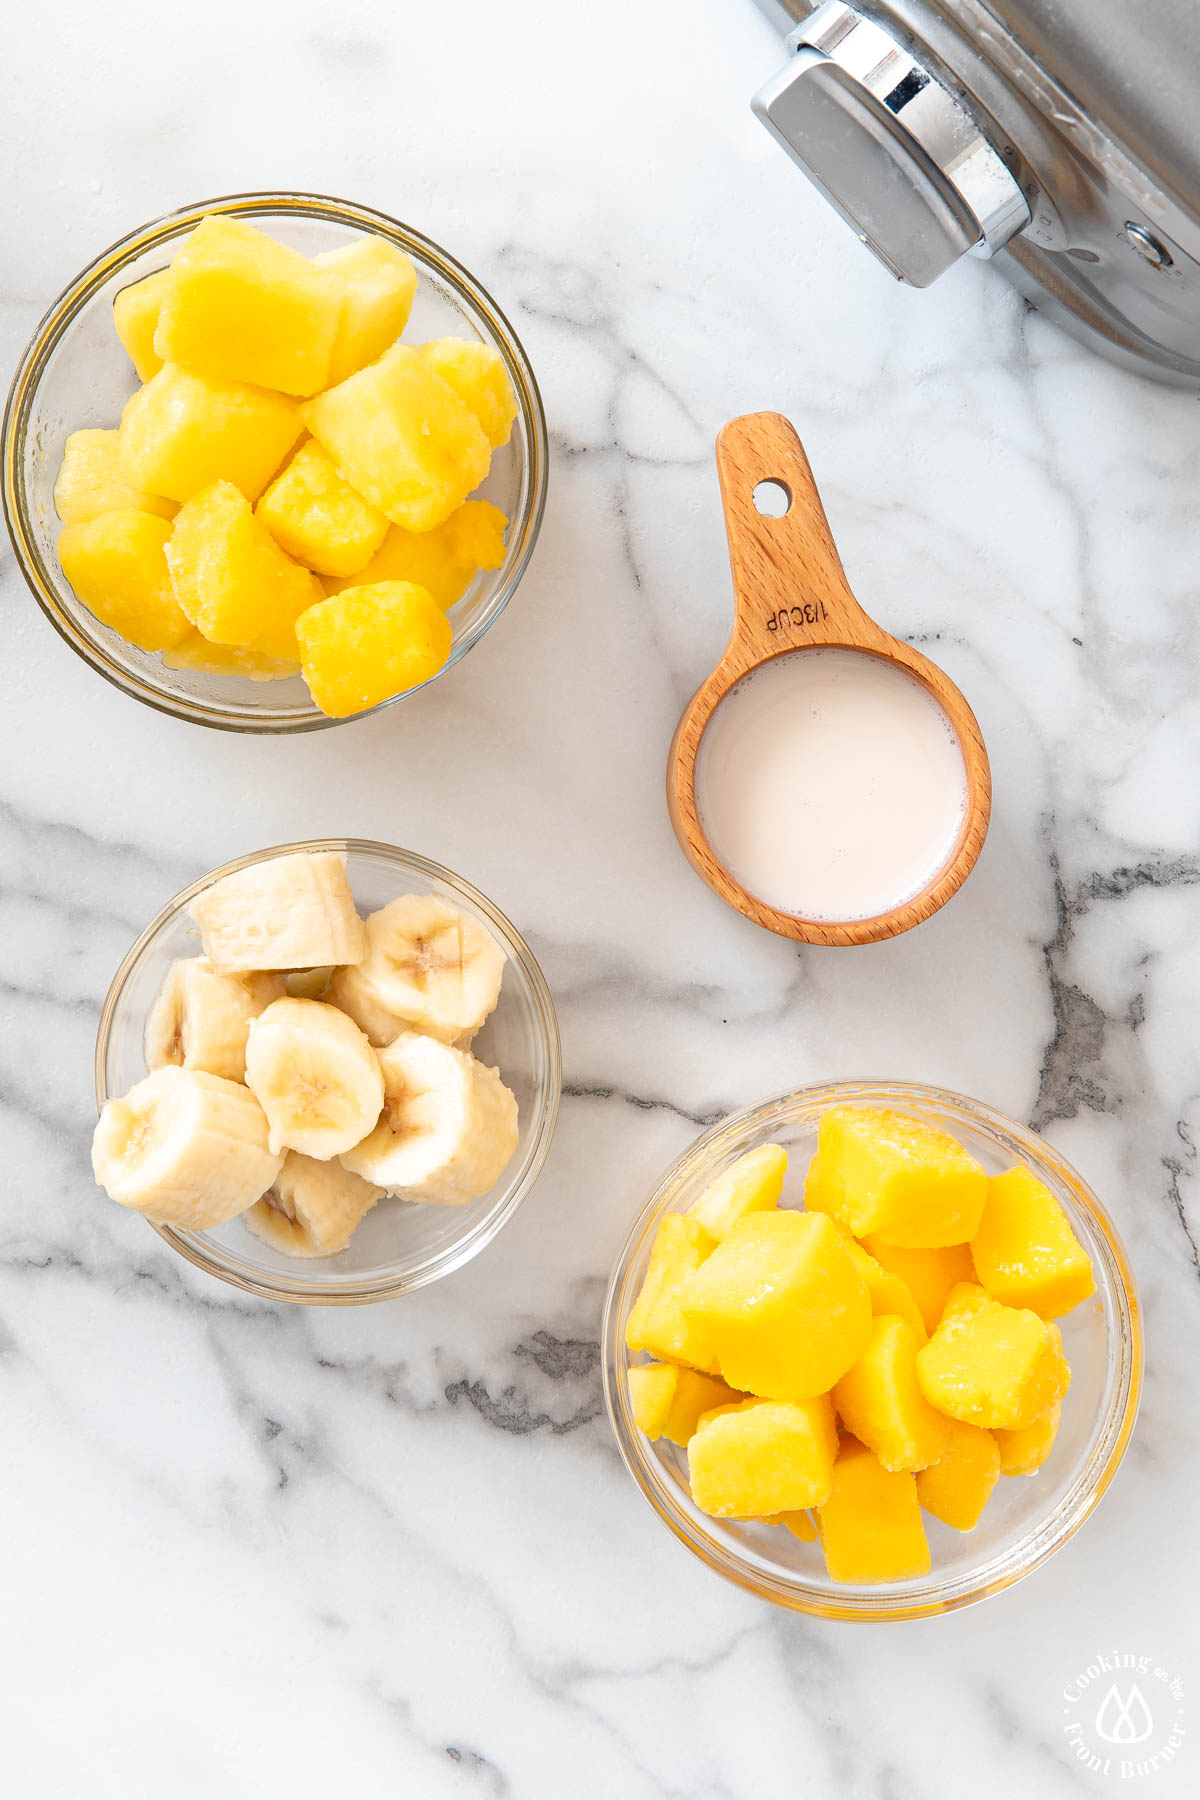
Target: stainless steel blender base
[[1060, 136]]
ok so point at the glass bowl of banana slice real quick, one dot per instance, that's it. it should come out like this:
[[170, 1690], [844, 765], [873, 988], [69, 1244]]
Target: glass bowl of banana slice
[[327, 1073]]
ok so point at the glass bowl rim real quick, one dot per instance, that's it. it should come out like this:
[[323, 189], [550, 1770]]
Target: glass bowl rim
[[863, 1604], [56, 323], [357, 1292]]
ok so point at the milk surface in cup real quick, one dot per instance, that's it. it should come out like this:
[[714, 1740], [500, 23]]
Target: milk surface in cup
[[831, 784]]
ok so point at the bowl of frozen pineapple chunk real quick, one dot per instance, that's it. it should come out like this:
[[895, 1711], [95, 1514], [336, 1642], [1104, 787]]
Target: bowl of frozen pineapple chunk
[[273, 461], [872, 1350], [327, 1073]]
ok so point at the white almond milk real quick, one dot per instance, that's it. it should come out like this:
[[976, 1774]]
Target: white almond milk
[[830, 784]]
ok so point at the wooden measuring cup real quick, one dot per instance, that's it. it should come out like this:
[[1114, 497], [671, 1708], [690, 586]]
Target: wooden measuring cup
[[790, 593]]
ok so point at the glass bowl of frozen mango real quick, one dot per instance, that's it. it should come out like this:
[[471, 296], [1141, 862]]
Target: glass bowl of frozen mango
[[327, 1073], [872, 1351], [273, 461]]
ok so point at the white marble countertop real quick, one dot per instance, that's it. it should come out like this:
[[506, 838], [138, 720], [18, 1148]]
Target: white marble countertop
[[253, 1550]]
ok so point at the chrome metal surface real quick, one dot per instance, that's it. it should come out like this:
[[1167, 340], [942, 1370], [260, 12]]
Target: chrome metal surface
[[1095, 105], [1147, 245], [902, 161]]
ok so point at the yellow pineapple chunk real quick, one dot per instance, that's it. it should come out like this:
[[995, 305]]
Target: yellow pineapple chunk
[[753, 1184], [116, 565], [763, 1457], [781, 1305], [895, 1178], [992, 1365], [367, 644], [318, 518], [182, 432], [90, 482], [880, 1401], [197, 654], [1025, 1252], [888, 1293], [478, 376], [442, 560], [135, 316], [402, 437], [652, 1389], [957, 1487], [377, 283], [231, 578], [870, 1526], [929, 1275], [657, 1322], [241, 306], [1025, 1449]]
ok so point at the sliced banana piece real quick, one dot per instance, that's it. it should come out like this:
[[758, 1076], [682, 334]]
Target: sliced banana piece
[[199, 1019], [290, 912], [315, 1076], [427, 967], [308, 984], [448, 1127], [184, 1148], [312, 1208]]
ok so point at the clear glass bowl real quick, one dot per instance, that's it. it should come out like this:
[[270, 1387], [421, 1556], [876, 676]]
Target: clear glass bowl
[[400, 1245], [75, 374], [1028, 1517]]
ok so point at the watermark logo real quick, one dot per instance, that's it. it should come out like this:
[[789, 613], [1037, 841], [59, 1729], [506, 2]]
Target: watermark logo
[[1123, 1716]]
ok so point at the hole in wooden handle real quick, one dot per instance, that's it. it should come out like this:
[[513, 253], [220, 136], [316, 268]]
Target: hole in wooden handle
[[772, 498]]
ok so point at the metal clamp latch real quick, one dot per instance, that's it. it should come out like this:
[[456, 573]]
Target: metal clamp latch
[[890, 148]]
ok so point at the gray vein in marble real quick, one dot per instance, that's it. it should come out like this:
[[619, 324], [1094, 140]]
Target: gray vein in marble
[[1071, 1079]]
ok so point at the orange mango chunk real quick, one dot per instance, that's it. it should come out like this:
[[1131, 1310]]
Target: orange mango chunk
[[753, 1184], [798, 1523], [378, 284], [651, 1390], [657, 1322], [400, 435], [957, 1487], [90, 482], [990, 1364], [117, 566], [781, 1305], [887, 1175], [929, 1275], [367, 644], [231, 578], [1024, 1450], [181, 432], [241, 306], [889, 1294], [318, 518], [763, 1457], [675, 1403], [1025, 1252], [135, 317], [870, 1526], [881, 1402]]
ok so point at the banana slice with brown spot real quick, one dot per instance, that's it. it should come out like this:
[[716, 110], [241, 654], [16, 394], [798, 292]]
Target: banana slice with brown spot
[[448, 1127], [184, 1148], [427, 967], [290, 912], [311, 1208], [199, 1019], [315, 1076]]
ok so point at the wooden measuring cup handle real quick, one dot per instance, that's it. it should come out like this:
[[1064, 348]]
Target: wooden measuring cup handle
[[789, 588]]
